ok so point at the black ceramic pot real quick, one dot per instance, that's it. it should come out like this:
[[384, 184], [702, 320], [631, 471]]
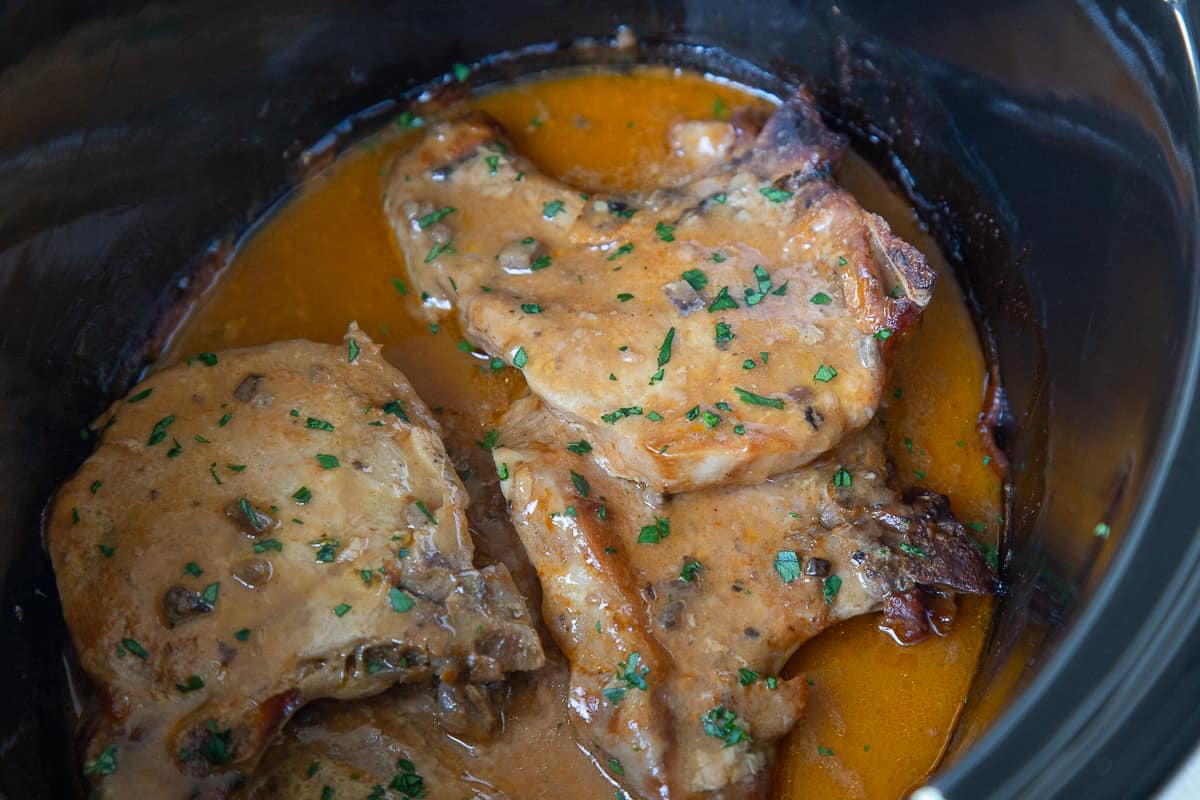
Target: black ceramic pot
[[1050, 145]]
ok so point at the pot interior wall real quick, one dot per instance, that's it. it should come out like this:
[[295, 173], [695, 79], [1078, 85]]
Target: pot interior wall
[[1045, 143]]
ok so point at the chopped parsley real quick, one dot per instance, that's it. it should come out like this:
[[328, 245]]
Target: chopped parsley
[[242, 635], [830, 587], [437, 250], [664, 231], [787, 564], [342, 609], [615, 767], [652, 534], [424, 509], [502, 471], [883, 333], [1102, 530], [352, 350], [159, 431], [723, 334], [96, 484], [407, 782], [401, 602], [328, 461], [326, 549], [264, 545], [520, 358], [824, 751], [913, 550], [624, 249], [315, 424], [580, 448], [490, 440], [774, 194], [461, 72], [176, 448], [142, 395], [710, 419], [757, 399], [821, 299], [191, 684], [103, 764], [212, 592], [429, 219], [135, 647], [302, 495], [689, 572], [719, 198], [842, 478], [722, 301], [746, 676], [193, 569], [581, 484], [531, 308], [824, 374], [621, 413], [696, 278], [395, 408], [224, 420], [539, 263], [664, 350], [552, 209], [207, 359], [400, 286], [633, 672], [722, 723], [654, 416]]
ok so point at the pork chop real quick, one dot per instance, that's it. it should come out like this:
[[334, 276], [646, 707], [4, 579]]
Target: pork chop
[[257, 529], [678, 613], [721, 330]]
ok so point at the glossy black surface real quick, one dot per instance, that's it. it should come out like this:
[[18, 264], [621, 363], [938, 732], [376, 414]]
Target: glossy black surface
[[1050, 145]]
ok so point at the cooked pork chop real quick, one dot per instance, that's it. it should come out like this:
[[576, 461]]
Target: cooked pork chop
[[259, 528], [678, 613], [719, 331]]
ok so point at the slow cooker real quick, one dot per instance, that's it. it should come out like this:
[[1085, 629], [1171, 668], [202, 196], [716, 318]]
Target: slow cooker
[[1051, 147]]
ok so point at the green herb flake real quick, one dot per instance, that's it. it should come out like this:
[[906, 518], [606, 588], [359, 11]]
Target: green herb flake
[[142, 395], [224, 420], [787, 564], [352, 350], [191, 684], [520, 358], [621, 413], [824, 751], [664, 350], [722, 723], [824, 374], [722, 302], [1102, 530], [212, 470], [696, 278], [424, 509], [552, 209], [176, 448], [632, 672], [654, 533], [328, 461], [842, 478], [342, 609], [490, 439], [772, 683], [212, 592], [710, 419], [581, 484], [580, 448], [159, 431], [654, 416], [830, 587], [135, 647], [757, 399], [774, 194], [723, 335], [493, 162], [719, 198], [401, 602], [461, 72], [106, 550], [242, 635], [664, 231], [531, 308], [438, 250], [315, 424], [431, 218], [882, 333], [624, 249], [103, 764], [207, 359], [821, 299], [539, 263], [746, 676]]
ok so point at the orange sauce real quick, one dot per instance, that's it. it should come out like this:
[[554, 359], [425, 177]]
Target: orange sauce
[[880, 714]]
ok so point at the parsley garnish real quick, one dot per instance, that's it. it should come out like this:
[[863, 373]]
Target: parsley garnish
[[353, 350], [580, 448], [95, 487], [302, 495], [696, 278], [502, 471], [159, 432], [531, 308], [723, 334], [624, 297], [665, 232], [520, 358], [438, 249], [490, 440], [722, 723], [326, 549], [664, 351], [135, 647], [882, 333], [787, 564], [581, 484], [142, 395], [551, 209], [192, 683], [821, 299], [395, 408], [103, 764], [830, 587], [207, 359], [620, 251], [242, 635], [632, 672], [342, 609], [722, 301], [407, 781], [842, 478], [652, 534], [689, 571], [327, 461], [401, 602], [224, 420], [461, 72], [824, 374], [746, 676], [212, 592], [757, 399], [176, 448], [775, 195], [425, 510], [264, 545], [539, 263], [1102, 530], [400, 285], [315, 424], [913, 550], [612, 416], [429, 219]]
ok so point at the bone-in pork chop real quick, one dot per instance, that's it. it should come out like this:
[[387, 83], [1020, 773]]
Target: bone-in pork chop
[[260, 528], [722, 330], [678, 613]]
